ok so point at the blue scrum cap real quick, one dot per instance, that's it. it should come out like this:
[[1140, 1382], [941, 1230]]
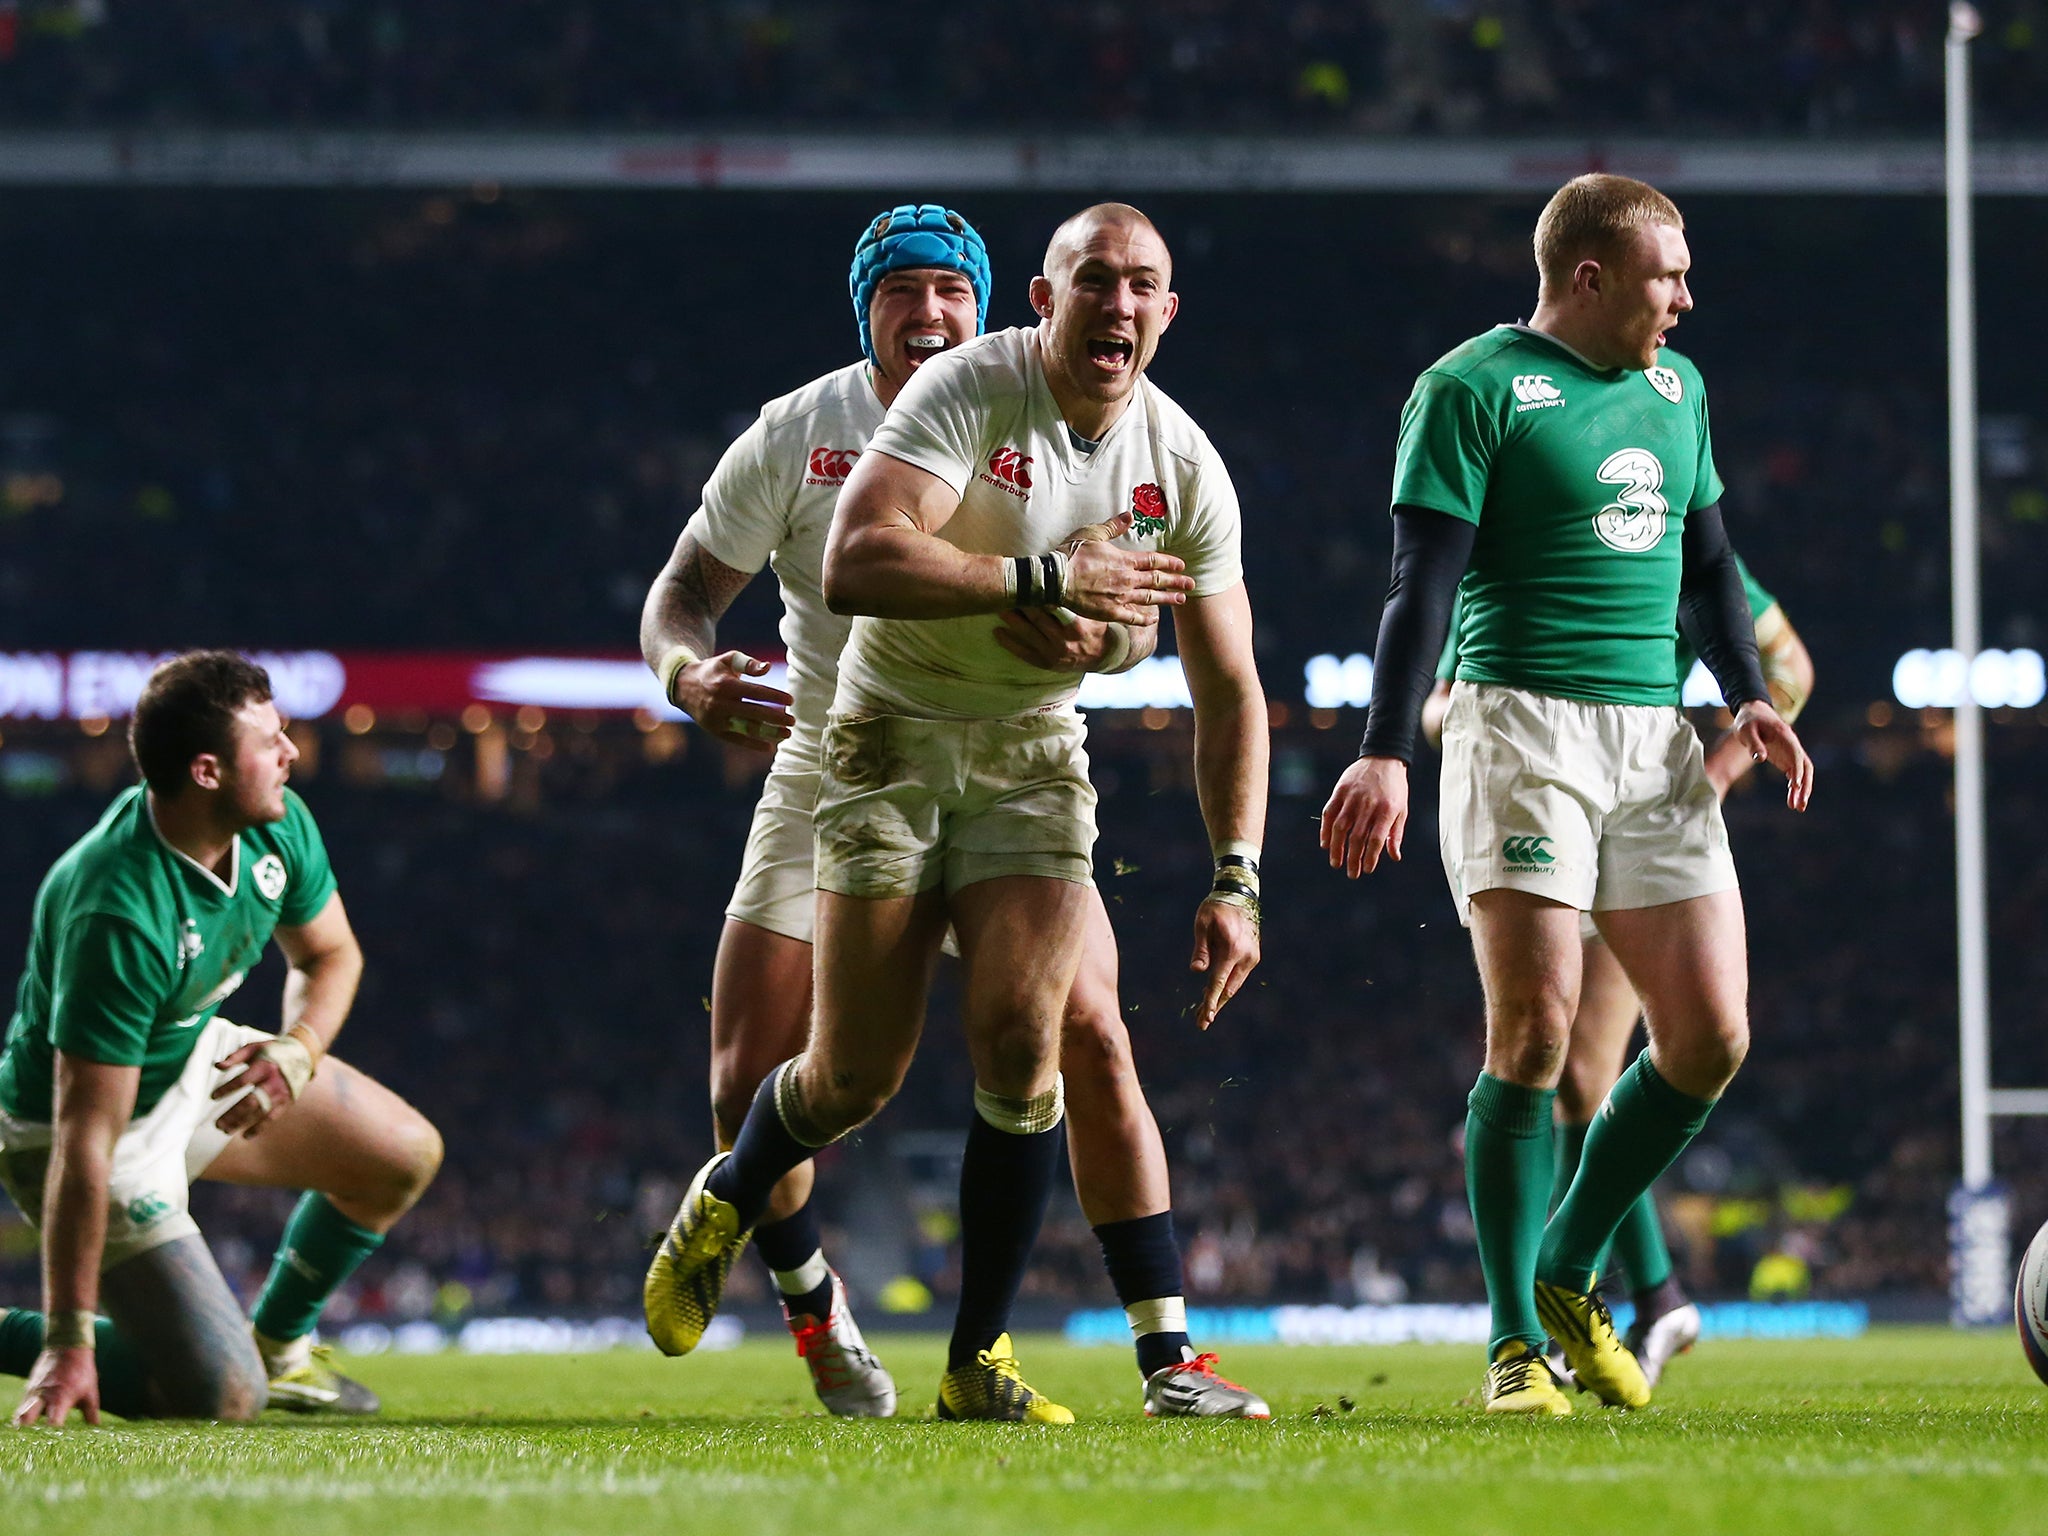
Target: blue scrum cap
[[917, 235]]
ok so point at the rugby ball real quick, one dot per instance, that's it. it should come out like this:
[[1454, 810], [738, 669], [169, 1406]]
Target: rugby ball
[[2030, 1303]]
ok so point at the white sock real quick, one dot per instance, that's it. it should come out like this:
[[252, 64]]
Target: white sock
[[805, 1278]]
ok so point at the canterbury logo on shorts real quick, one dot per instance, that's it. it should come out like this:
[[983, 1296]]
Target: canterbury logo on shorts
[[1526, 853]]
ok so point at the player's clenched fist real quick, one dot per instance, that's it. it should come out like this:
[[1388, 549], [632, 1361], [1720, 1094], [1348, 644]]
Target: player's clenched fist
[[720, 693], [1367, 812], [1104, 581]]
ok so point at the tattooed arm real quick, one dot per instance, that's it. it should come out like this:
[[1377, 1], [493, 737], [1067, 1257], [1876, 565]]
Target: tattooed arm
[[719, 691]]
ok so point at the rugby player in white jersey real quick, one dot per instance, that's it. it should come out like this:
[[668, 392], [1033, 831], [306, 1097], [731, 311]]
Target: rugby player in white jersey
[[920, 285], [1029, 469]]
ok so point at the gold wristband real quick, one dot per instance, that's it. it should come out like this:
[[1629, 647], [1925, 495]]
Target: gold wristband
[[673, 660], [69, 1330]]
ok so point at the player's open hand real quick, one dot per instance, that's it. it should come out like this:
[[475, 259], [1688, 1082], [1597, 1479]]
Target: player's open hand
[[722, 695], [1367, 814], [1226, 952], [270, 1092], [1771, 740], [1061, 642], [63, 1379], [1123, 586]]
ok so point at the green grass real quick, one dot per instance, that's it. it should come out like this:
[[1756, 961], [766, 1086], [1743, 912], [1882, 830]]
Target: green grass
[[1908, 1430]]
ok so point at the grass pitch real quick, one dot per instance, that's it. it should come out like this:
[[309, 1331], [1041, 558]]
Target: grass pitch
[[1907, 1430]]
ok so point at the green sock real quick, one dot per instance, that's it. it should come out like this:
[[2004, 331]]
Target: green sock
[[123, 1380], [1507, 1175], [1571, 1147], [321, 1248], [1638, 1133], [1571, 1144], [1639, 1246]]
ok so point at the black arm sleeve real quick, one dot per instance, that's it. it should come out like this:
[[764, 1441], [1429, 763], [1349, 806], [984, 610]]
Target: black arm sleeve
[[1431, 550], [1713, 609]]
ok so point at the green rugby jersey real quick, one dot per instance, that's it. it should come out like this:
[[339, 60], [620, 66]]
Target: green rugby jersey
[[1579, 479], [1760, 603], [134, 946]]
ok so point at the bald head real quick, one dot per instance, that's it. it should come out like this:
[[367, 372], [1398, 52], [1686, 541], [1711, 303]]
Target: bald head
[[1081, 231]]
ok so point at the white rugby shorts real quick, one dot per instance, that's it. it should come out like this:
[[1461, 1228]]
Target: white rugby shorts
[[155, 1160], [777, 887], [1597, 806], [907, 804]]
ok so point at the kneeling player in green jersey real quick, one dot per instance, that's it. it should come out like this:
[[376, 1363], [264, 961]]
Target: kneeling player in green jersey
[[120, 1083], [1666, 1323], [1560, 476]]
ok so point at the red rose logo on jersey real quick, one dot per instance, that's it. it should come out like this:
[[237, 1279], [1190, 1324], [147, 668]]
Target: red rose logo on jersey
[[1009, 470], [830, 466], [1148, 510]]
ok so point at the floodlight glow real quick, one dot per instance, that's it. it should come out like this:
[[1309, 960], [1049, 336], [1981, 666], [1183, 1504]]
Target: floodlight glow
[[1339, 683], [1924, 679]]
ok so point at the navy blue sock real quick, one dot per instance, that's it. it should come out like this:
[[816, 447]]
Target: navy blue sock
[[1144, 1265], [762, 1153], [1006, 1179], [793, 1247]]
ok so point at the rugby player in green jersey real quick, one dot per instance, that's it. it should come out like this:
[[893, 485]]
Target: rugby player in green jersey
[[1666, 1323], [1559, 475], [120, 1083]]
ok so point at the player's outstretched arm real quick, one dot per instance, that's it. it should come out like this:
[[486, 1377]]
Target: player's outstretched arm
[[885, 558], [93, 1103], [678, 637], [1231, 751], [325, 967]]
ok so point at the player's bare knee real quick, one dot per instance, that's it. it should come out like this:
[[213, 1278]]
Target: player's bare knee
[[1014, 1056], [1528, 1038], [229, 1390], [1580, 1089], [1094, 1045]]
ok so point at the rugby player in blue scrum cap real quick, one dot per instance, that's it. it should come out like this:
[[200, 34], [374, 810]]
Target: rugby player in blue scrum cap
[[920, 284]]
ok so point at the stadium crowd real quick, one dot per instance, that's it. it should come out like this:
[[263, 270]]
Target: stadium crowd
[[434, 387], [1449, 66], [396, 421]]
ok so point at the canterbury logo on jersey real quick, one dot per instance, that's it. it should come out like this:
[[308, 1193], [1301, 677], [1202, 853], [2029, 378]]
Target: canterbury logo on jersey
[[830, 466], [1526, 853], [1535, 391], [1009, 470]]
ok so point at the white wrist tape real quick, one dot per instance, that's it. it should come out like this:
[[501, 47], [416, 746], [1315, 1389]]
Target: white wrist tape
[[1118, 655], [673, 660], [292, 1059], [1236, 881]]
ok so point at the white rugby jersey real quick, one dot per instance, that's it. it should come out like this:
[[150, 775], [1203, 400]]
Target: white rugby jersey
[[982, 419], [770, 502]]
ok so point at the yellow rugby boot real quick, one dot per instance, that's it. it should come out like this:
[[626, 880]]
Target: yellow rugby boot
[[1600, 1362], [1520, 1381], [303, 1379], [993, 1388], [688, 1274]]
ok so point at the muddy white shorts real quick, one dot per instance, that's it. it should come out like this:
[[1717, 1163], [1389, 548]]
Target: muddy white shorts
[[906, 805], [1597, 806], [155, 1160]]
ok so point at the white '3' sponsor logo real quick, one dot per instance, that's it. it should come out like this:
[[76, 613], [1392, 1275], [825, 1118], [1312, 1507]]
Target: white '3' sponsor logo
[[1535, 391], [1634, 521]]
